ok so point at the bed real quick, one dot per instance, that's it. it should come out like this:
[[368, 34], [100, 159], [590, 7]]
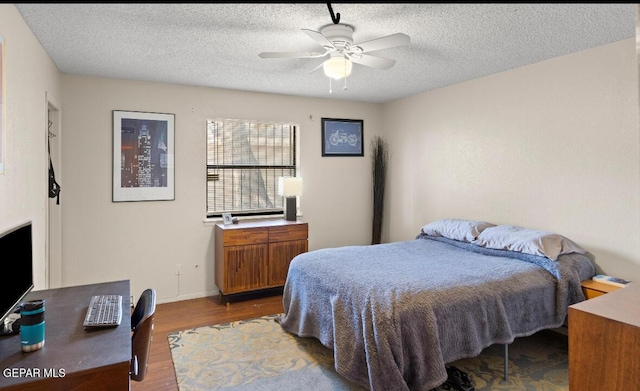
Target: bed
[[396, 313]]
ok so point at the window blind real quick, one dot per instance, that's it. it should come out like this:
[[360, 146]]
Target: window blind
[[244, 160]]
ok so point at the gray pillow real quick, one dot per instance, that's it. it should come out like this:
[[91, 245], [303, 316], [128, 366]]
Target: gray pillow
[[528, 241], [457, 229]]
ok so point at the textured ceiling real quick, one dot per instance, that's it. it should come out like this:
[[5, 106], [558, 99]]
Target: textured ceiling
[[217, 45]]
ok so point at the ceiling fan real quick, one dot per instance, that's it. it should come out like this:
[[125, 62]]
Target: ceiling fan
[[336, 41]]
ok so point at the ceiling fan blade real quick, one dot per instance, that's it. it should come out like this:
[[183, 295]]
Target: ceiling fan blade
[[389, 41], [292, 54], [321, 39], [318, 67], [371, 61]]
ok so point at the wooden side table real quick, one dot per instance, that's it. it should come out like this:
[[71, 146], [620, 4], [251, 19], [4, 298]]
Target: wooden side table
[[593, 289]]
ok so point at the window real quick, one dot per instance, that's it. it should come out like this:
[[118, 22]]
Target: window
[[244, 161]]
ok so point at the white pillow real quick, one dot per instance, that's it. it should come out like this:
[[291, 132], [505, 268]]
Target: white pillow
[[457, 229], [528, 241]]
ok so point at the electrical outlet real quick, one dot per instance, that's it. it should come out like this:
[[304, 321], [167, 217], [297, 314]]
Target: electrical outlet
[[178, 269]]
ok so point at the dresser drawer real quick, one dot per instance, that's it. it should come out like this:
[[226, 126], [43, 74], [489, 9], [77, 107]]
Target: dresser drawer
[[239, 237], [288, 232]]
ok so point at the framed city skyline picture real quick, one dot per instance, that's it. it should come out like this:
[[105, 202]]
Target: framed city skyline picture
[[143, 156]]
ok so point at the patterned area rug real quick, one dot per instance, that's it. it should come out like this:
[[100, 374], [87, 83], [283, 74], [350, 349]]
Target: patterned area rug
[[257, 354]]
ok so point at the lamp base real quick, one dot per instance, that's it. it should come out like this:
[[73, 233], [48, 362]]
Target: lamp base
[[290, 210]]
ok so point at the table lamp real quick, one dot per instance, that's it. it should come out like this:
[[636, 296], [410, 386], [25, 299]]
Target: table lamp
[[290, 188]]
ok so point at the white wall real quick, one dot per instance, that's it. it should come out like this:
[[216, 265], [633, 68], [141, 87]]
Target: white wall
[[30, 76], [143, 241], [553, 145]]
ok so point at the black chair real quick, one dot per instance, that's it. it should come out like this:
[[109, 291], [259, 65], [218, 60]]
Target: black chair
[[142, 333]]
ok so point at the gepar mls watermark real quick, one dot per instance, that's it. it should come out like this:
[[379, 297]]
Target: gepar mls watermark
[[33, 372]]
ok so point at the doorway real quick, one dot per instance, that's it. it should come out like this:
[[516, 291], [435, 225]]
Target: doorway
[[53, 239]]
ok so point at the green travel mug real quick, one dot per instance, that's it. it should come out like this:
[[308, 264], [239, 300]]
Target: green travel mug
[[32, 325]]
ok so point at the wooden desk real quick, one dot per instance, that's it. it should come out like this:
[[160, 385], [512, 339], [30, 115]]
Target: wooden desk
[[604, 341], [72, 358]]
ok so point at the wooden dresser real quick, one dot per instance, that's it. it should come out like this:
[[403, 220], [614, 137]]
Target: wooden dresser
[[255, 255], [604, 341]]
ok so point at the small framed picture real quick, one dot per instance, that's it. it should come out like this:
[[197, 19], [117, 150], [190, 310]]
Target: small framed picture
[[226, 218], [342, 137]]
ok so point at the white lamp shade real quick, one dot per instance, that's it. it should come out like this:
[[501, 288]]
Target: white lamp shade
[[337, 67], [289, 186]]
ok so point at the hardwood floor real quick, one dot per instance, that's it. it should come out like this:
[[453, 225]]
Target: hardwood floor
[[188, 314]]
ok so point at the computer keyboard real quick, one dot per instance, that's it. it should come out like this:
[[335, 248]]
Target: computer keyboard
[[104, 311]]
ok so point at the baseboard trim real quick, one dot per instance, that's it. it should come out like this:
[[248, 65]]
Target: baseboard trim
[[187, 297]]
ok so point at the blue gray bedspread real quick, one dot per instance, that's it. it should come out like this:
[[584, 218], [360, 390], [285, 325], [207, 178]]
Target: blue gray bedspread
[[396, 313]]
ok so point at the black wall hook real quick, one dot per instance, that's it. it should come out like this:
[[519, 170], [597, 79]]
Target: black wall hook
[[334, 17]]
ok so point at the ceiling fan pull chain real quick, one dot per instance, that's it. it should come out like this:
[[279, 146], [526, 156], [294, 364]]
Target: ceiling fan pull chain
[[334, 17], [330, 86], [345, 76]]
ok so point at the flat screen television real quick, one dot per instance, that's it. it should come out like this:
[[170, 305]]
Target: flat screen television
[[16, 253]]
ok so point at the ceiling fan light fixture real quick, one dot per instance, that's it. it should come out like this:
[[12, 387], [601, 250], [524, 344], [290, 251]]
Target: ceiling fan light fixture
[[337, 41], [337, 67]]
